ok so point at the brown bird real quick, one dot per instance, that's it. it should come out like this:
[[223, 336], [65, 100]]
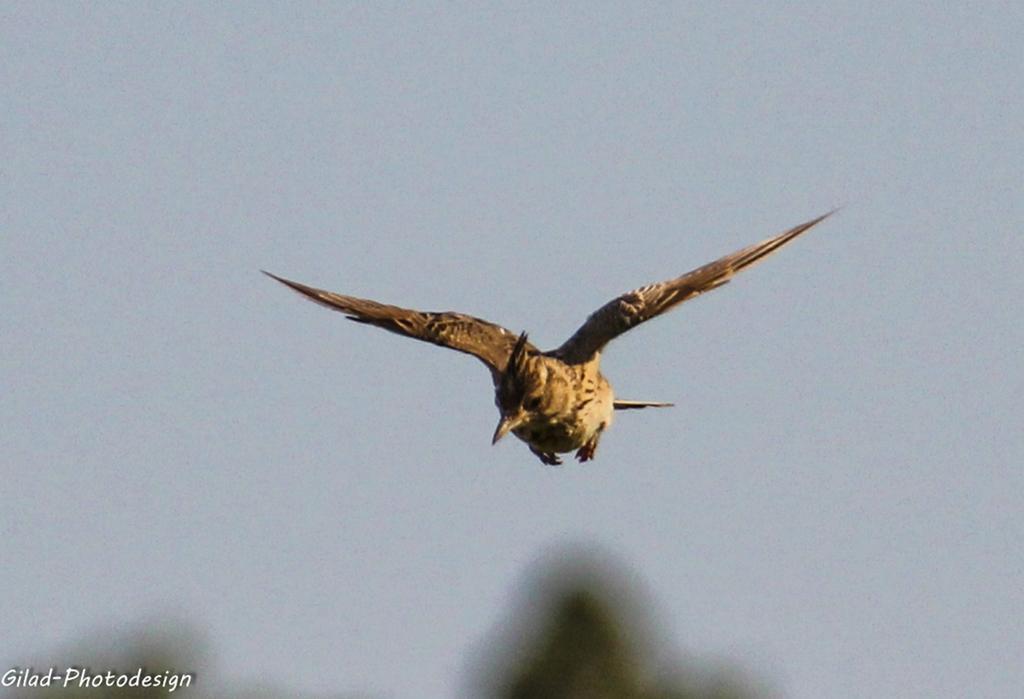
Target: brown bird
[[555, 401]]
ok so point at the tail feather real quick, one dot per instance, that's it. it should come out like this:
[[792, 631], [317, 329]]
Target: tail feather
[[636, 404]]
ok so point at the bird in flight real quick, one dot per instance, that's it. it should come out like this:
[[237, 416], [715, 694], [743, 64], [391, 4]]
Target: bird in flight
[[556, 401]]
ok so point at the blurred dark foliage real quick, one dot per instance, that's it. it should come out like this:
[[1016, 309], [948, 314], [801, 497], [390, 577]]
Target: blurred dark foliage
[[580, 633], [588, 639], [581, 653]]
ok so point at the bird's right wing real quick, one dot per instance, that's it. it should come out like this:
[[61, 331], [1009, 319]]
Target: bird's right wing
[[490, 343], [634, 307]]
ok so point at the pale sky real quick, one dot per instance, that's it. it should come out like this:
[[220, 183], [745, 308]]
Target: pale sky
[[836, 504]]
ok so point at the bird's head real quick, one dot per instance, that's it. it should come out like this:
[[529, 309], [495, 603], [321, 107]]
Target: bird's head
[[519, 392]]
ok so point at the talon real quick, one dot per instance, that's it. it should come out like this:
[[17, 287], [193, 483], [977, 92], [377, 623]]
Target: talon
[[546, 457], [586, 452]]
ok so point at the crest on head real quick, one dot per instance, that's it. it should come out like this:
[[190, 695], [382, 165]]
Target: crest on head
[[511, 389], [512, 385]]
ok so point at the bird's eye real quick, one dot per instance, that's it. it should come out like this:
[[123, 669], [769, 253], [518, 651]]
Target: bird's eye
[[532, 403]]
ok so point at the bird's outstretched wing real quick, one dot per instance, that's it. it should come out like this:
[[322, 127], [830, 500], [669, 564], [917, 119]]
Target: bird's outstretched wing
[[490, 343], [634, 307]]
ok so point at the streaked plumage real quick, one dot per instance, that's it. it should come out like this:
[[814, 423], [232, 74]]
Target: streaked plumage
[[556, 401]]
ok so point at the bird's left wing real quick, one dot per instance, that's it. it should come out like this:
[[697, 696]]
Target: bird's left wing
[[490, 343], [634, 307]]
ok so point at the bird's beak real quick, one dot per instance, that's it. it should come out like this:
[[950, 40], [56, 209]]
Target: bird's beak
[[506, 424]]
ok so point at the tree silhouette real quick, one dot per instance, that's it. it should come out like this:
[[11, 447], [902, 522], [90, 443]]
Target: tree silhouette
[[584, 637], [581, 654], [590, 643]]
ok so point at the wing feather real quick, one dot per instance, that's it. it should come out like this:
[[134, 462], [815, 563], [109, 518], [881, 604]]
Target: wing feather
[[490, 343], [634, 307]]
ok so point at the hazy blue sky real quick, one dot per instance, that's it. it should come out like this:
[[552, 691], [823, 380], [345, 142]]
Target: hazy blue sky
[[837, 503]]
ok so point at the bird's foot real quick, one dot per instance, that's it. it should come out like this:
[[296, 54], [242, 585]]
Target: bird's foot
[[547, 457], [587, 451]]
